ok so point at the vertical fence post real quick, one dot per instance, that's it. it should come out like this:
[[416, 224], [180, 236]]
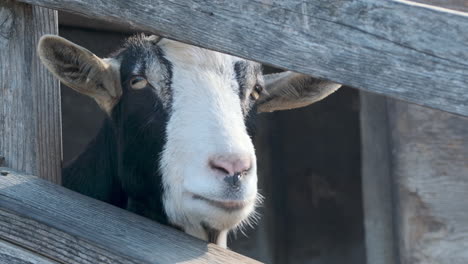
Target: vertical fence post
[[30, 123], [377, 182]]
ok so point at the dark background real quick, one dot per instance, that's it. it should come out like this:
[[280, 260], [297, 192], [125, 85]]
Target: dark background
[[309, 167]]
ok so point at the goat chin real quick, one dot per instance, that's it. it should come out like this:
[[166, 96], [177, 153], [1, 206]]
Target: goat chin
[[207, 220]]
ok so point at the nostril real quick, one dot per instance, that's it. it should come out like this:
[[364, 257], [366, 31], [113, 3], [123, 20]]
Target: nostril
[[219, 167], [231, 164]]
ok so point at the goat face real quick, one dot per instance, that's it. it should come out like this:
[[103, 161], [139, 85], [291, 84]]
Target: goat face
[[208, 162], [181, 115]]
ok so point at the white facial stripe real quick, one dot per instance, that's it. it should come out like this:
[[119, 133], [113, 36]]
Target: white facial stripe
[[206, 120]]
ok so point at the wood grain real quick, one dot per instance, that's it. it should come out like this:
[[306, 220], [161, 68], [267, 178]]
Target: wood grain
[[396, 48], [415, 183], [430, 167], [12, 254], [30, 130], [71, 228]]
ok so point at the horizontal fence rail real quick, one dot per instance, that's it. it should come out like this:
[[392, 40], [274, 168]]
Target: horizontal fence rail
[[67, 227], [397, 48], [10, 253]]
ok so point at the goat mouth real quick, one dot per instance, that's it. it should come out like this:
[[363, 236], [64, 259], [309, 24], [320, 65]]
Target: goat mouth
[[224, 205]]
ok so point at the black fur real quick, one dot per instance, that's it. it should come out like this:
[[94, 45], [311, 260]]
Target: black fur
[[120, 166], [240, 68], [92, 173]]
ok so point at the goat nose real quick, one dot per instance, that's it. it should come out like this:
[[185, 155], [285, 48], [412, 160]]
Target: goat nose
[[231, 164]]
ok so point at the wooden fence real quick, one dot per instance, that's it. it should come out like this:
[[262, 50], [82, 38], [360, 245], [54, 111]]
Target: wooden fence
[[415, 160], [68, 227]]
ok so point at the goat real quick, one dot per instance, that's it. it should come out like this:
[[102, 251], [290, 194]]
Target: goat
[[176, 145]]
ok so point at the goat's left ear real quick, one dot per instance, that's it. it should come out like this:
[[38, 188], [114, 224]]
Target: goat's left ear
[[288, 90], [81, 70]]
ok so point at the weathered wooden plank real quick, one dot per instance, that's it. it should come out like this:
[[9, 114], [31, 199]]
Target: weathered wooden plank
[[415, 183], [12, 254], [397, 48], [71, 228], [430, 167], [377, 180], [74, 20], [30, 130]]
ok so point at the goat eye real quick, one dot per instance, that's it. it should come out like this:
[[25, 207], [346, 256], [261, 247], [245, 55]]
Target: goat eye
[[138, 82], [255, 94]]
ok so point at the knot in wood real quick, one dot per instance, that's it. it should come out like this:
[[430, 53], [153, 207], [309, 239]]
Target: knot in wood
[[6, 24]]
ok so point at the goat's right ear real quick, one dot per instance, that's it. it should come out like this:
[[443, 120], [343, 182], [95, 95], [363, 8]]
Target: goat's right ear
[[289, 90], [81, 70]]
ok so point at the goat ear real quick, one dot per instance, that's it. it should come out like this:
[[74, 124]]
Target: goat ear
[[288, 90], [81, 70]]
